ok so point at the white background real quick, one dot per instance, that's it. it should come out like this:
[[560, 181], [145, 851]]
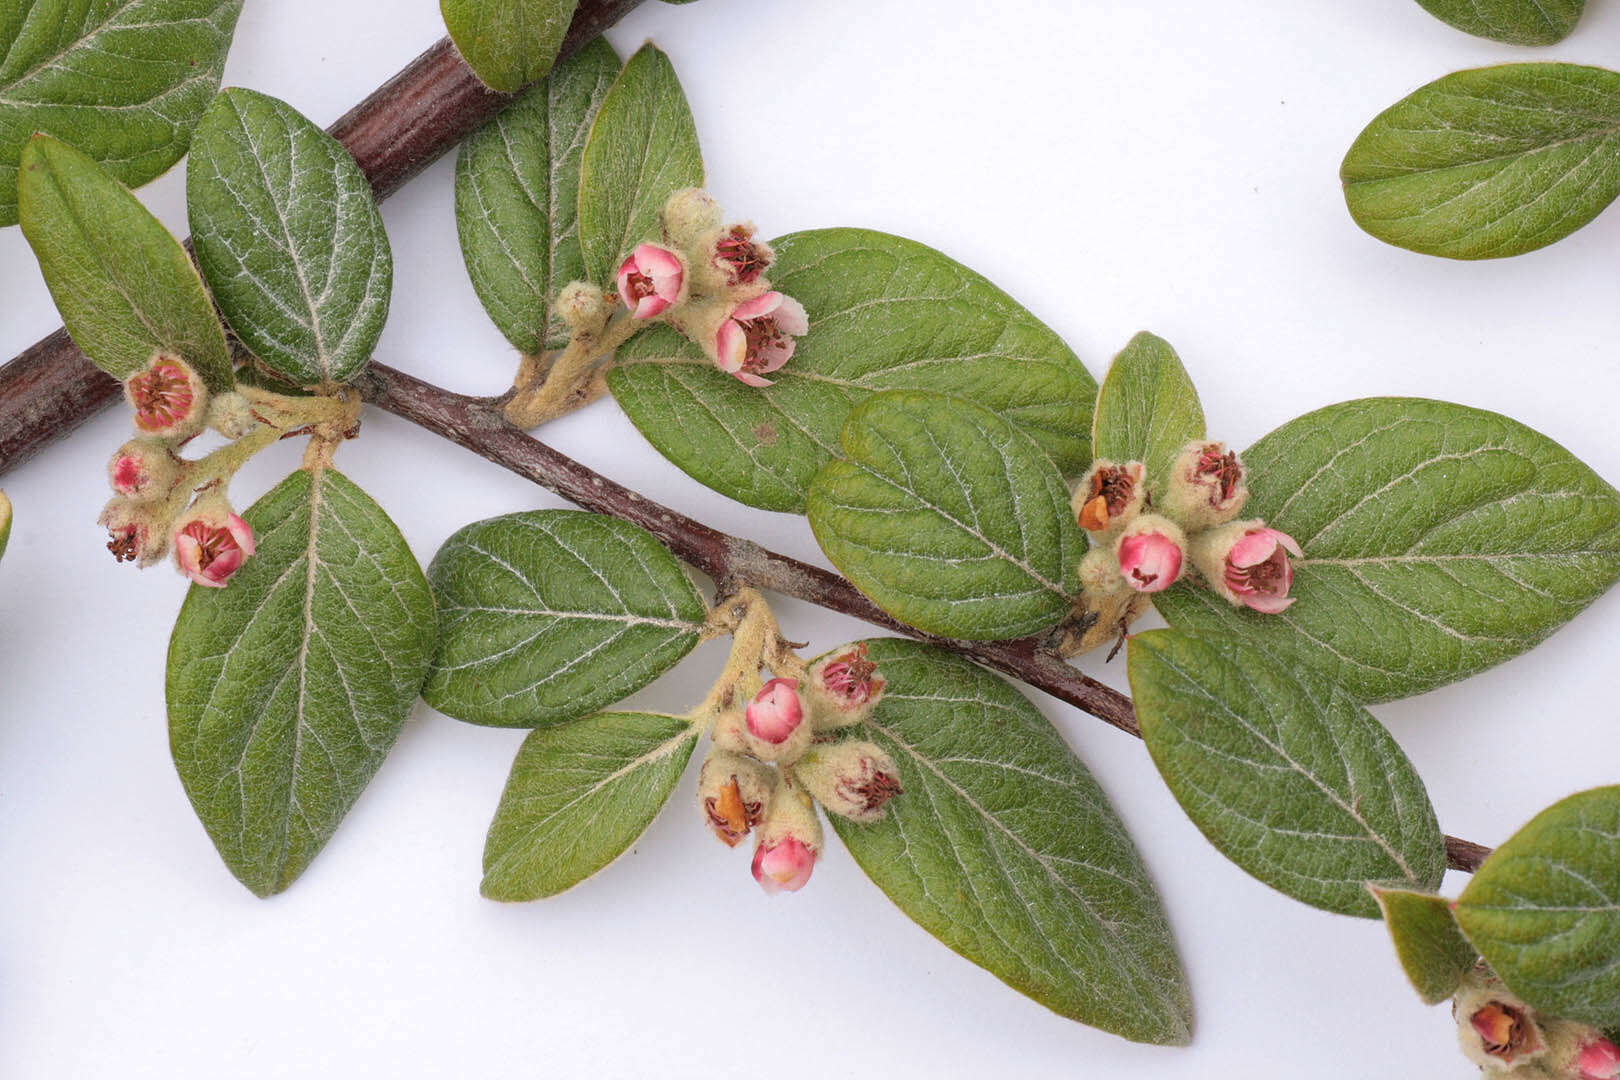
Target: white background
[[1168, 165]]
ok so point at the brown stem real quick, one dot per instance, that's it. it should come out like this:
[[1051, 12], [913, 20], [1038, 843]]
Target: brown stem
[[476, 423], [405, 125]]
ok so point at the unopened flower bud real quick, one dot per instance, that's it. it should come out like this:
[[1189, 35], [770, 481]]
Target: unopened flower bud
[[1150, 552], [1496, 1030], [168, 397], [1599, 1060], [757, 337], [1109, 498], [650, 280], [733, 793], [1206, 486], [1247, 563], [1577, 1051], [211, 542], [1100, 574], [143, 469], [688, 214], [843, 689], [851, 779], [231, 414], [788, 843], [775, 722], [136, 531], [581, 306]]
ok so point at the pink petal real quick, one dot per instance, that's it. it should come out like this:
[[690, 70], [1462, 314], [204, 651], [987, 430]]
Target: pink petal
[[791, 318], [753, 380], [1269, 605], [241, 532], [655, 260], [1288, 543], [626, 268], [1253, 548], [649, 306], [731, 347], [763, 304], [773, 354], [186, 551]]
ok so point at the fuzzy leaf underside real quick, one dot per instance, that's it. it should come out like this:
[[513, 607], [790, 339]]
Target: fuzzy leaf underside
[[288, 235], [642, 148], [125, 81], [548, 615], [948, 517], [123, 285], [1516, 22], [1544, 909], [1004, 848], [1431, 949], [517, 198], [288, 687], [886, 313], [1439, 540], [578, 796], [1489, 162], [1147, 409], [508, 43]]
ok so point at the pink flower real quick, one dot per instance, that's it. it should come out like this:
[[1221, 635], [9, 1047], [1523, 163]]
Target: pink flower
[[844, 688], [757, 337], [776, 711], [210, 545], [739, 256], [851, 779], [168, 398], [1150, 554], [1247, 563], [1506, 1031], [143, 469], [784, 866], [134, 530], [650, 280], [1599, 1060]]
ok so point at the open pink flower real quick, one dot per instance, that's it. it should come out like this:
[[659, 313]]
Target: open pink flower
[[757, 337], [784, 866], [168, 398], [1150, 553], [210, 546], [650, 280], [776, 711], [1257, 570], [739, 256], [1599, 1060]]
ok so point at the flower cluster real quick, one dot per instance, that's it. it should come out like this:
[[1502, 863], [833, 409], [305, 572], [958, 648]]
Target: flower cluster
[[774, 759], [706, 279], [162, 502], [1506, 1037], [1145, 541]]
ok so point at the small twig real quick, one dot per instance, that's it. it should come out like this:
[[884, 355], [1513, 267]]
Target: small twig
[[477, 424]]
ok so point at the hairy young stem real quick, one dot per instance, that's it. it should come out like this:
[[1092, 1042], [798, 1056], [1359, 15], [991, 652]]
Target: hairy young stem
[[405, 125], [477, 424]]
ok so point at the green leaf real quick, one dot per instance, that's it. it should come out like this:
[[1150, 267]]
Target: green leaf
[[885, 314], [1439, 540], [643, 147], [1490, 162], [508, 43], [517, 198], [288, 686], [948, 517], [1545, 909], [1430, 947], [288, 235], [123, 80], [124, 286], [1517, 22], [5, 522], [1283, 772], [578, 797], [1004, 848], [1147, 409], [548, 615]]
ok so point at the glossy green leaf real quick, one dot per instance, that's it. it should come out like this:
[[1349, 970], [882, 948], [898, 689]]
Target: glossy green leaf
[[1439, 540], [1428, 943], [5, 522], [124, 286], [1489, 162], [579, 795], [548, 615], [288, 235], [123, 80], [1517, 22], [1004, 848], [885, 314], [1147, 409], [1283, 772], [508, 43], [643, 147], [1545, 909], [517, 198], [948, 517], [288, 687]]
